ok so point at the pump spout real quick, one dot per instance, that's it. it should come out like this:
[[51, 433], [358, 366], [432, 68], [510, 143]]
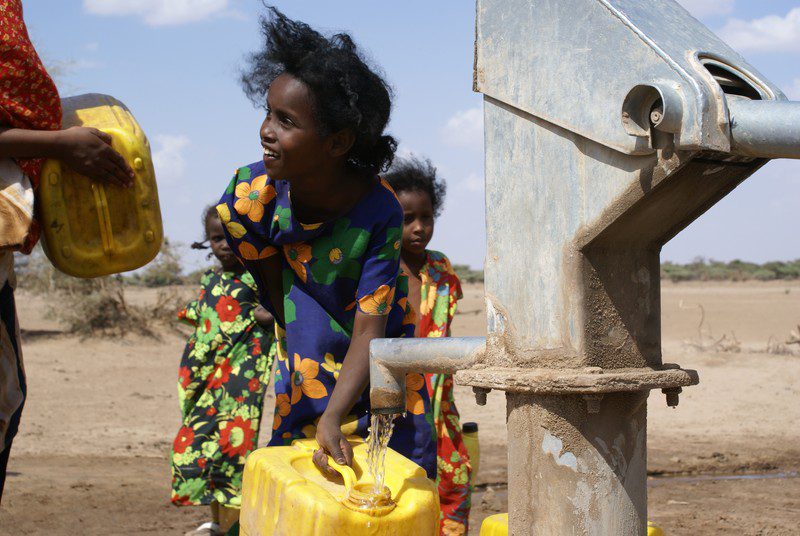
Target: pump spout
[[764, 129], [391, 359]]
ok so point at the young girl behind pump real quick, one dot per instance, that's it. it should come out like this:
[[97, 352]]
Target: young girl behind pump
[[434, 291]]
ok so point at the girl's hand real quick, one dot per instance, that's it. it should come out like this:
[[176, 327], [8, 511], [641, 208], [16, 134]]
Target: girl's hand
[[353, 379], [332, 443], [88, 151]]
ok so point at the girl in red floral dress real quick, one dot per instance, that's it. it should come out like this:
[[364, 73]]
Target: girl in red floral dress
[[223, 376], [434, 290]]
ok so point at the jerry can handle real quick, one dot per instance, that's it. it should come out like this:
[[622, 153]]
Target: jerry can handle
[[104, 217], [347, 473]]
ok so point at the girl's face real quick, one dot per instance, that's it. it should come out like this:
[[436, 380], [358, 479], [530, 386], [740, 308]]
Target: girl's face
[[219, 246], [417, 220], [292, 145]]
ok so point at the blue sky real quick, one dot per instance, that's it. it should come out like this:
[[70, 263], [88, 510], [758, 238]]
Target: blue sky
[[175, 64]]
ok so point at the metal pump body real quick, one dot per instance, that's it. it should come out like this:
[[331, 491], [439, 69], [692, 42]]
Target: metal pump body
[[610, 125]]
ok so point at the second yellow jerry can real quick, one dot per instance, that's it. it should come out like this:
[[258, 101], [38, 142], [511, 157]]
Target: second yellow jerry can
[[283, 493], [91, 229], [497, 525]]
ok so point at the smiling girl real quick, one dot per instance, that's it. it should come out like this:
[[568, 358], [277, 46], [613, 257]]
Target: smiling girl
[[321, 234]]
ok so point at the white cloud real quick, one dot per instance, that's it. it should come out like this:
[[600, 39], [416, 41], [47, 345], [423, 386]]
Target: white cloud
[[793, 90], [168, 159], [704, 8], [92, 47], [771, 33], [158, 12], [464, 128], [474, 183], [84, 64]]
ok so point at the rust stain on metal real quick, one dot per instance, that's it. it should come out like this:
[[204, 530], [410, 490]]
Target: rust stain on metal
[[387, 399]]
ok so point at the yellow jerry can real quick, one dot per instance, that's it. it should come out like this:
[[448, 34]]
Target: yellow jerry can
[[91, 229], [283, 493], [469, 434], [497, 525]]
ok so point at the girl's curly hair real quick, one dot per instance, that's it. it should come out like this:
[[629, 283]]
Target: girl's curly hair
[[347, 93], [414, 174]]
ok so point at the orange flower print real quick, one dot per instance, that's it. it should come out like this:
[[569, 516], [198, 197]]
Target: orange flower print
[[352, 303], [298, 254], [428, 300], [251, 197], [451, 527], [377, 303], [414, 403], [249, 252], [282, 408], [332, 366], [304, 380], [410, 317]]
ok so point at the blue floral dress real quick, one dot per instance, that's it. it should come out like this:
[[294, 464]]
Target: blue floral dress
[[329, 271]]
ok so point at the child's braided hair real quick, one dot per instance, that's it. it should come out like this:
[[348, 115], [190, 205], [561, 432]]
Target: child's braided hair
[[209, 213], [347, 93]]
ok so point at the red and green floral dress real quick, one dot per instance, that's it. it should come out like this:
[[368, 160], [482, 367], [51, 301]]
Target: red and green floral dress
[[223, 376], [441, 290]]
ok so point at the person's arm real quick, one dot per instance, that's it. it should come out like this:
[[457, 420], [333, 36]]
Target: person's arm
[[86, 150], [353, 379], [267, 273], [263, 317]]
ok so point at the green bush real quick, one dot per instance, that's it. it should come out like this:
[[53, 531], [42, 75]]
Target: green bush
[[710, 270], [676, 272], [467, 274]]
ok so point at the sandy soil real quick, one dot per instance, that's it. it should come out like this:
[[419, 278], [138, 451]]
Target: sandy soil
[[91, 456]]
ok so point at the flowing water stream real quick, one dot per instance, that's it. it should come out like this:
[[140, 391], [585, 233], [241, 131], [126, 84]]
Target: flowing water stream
[[380, 431], [374, 497]]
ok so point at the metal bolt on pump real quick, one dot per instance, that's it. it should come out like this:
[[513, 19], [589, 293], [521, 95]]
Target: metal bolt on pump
[[672, 396], [480, 395]]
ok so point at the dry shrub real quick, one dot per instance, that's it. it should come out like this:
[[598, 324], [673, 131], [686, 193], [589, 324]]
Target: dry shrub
[[95, 307], [706, 341], [164, 270], [164, 310], [794, 336], [98, 307], [775, 347], [788, 347]]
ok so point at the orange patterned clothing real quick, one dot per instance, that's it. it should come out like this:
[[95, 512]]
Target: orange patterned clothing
[[441, 290], [28, 96]]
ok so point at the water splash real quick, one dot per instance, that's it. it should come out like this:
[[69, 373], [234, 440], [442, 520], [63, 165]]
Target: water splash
[[380, 431]]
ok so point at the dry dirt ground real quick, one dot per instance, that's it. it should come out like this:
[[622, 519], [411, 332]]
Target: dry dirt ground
[[91, 456]]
